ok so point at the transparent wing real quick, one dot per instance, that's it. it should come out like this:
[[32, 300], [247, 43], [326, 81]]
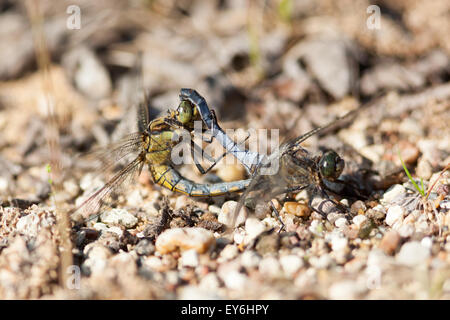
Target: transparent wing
[[105, 159], [103, 196], [266, 183], [294, 143]]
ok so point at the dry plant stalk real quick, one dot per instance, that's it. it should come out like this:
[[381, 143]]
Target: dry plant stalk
[[52, 136]]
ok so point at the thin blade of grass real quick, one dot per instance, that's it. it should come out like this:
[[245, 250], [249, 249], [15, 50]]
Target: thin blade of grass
[[421, 191]]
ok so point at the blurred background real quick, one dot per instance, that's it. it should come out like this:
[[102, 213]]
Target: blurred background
[[71, 78]]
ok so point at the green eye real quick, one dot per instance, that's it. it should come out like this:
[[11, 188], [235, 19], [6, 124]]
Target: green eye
[[331, 165], [184, 112]]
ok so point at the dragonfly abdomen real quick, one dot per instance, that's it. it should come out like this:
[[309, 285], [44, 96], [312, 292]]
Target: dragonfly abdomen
[[167, 177]]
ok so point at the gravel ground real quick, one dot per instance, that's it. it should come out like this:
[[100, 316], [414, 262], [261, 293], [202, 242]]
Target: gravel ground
[[288, 65]]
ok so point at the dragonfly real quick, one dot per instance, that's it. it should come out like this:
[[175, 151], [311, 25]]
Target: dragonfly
[[291, 169], [153, 145]]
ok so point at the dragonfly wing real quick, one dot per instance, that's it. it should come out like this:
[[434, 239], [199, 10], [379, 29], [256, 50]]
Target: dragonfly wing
[[105, 159], [91, 206], [265, 184]]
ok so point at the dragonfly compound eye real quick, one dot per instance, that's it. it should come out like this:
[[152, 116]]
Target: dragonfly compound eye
[[331, 165], [184, 112]]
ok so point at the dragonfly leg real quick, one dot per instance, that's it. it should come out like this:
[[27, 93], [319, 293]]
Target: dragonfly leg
[[196, 149], [278, 216], [324, 214]]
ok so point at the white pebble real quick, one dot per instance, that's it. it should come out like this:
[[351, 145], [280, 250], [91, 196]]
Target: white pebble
[[134, 198], [119, 217], [100, 226], [427, 242], [28, 225], [184, 239], [3, 184], [254, 227], [316, 227], [392, 193], [321, 262], [291, 264], [412, 254], [226, 215], [214, 209], [406, 230], [153, 263], [250, 259], [229, 252], [359, 220], [346, 290], [394, 214], [270, 266], [191, 292], [339, 244], [239, 236], [341, 222], [189, 258], [235, 280], [210, 282], [115, 230]]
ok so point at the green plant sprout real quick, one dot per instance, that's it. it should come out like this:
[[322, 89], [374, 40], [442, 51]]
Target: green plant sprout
[[49, 170], [285, 10], [420, 190]]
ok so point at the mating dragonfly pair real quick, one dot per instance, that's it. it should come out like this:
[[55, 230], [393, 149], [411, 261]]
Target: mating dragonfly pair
[[154, 142]]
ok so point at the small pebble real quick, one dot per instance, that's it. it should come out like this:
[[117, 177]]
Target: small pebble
[[119, 217], [189, 258], [191, 292], [424, 169], [184, 239], [427, 242], [71, 187], [29, 225], [214, 209], [413, 253], [321, 262], [227, 214], [390, 242], [250, 259], [392, 193], [394, 214], [268, 244], [406, 230], [297, 209], [291, 264], [333, 216], [210, 282], [339, 244], [153, 263], [359, 220], [231, 172], [144, 247], [229, 252], [99, 226], [345, 290], [115, 230], [270, 266], [134, 199], [341, 222], [89, 74], [358, 207], [254, 227], [235, 280], [365, 229]]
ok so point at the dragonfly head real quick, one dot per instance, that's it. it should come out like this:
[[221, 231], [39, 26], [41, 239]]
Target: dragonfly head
[[331, 165], [185, 112]]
